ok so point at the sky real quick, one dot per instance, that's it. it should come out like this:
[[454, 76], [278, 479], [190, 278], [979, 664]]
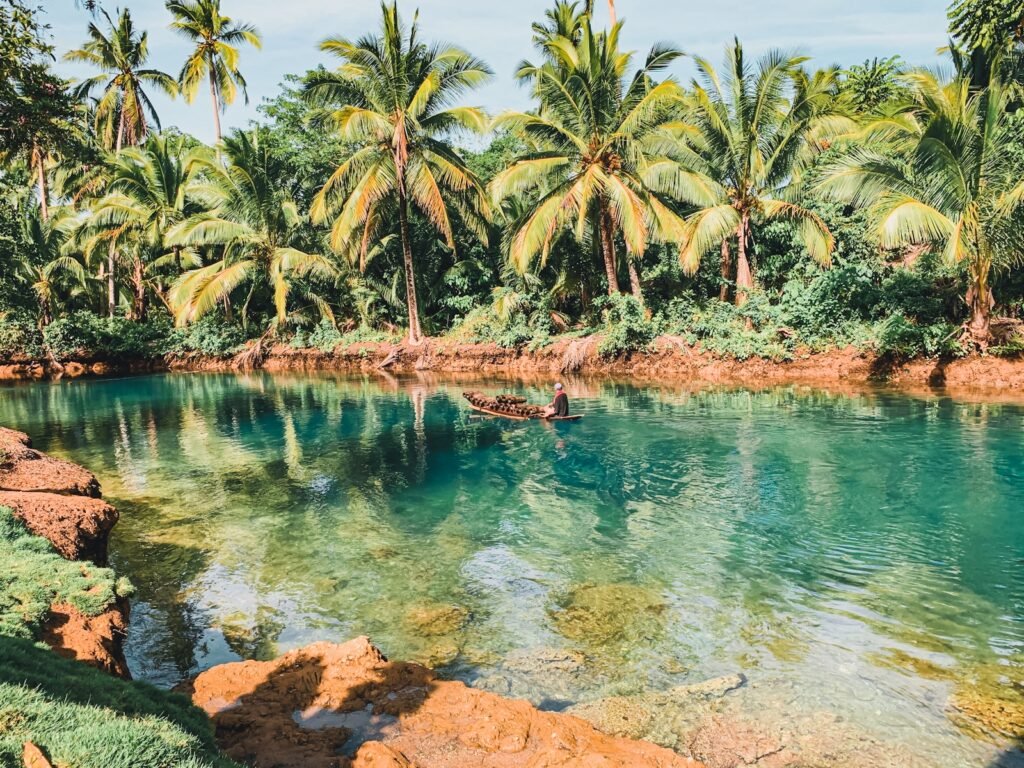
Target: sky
[[831, 31]]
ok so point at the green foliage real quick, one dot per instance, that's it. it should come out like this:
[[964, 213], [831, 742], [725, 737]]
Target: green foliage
[[625, 326], [754, 330], [208, 336], [873, 84], [990, 25], [82, 717], [325, 336], [83, 335], [19, 337], [35, 577], [902, 338]]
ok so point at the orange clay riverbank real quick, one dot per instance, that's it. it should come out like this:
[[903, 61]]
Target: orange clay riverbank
[[668, 360]]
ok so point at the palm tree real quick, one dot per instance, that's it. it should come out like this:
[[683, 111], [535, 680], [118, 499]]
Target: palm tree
[[592, 157], [748, 137], [148, 193], [255, 224], [120, 55], [123, 104], [947, 180], [399, 94], [44, 262], [215, 57]]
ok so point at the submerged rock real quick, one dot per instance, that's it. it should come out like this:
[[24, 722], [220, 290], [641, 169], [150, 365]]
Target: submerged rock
[[599, 614], [375, 713], [437, 620]]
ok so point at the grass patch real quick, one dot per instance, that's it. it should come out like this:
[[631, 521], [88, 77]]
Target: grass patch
[[84, 718], [33, 577]]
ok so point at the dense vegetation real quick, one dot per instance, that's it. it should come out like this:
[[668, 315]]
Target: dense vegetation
[[765, 208], [79, 715]]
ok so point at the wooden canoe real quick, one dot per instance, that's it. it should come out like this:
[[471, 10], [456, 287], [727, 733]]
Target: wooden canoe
[[514, 417]]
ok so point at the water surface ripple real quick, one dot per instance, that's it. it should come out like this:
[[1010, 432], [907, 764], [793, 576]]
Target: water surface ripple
[[853, 555]]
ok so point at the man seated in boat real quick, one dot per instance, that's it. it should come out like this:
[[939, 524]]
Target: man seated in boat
[[559, 407]]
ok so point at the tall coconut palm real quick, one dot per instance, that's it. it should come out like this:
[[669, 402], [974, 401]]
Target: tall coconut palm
[[215, 57], [947, 180], [148, 192], [123, 104], [592, 156], [400, 92], [256, 227], [749, 135]]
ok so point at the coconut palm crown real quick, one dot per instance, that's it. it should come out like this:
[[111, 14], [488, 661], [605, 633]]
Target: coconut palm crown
[[254, 225], [399, 95], [749, 133], [594, 156], [215, 57], [122, 105]]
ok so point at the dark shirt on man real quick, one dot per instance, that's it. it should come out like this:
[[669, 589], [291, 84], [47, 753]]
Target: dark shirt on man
[[561, 406]]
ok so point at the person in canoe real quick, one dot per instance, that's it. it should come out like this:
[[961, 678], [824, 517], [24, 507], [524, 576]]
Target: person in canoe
[[559, 407]]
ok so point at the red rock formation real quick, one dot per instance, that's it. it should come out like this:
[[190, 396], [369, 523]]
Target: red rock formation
[[24, 469], [346, 706], [77, 526]]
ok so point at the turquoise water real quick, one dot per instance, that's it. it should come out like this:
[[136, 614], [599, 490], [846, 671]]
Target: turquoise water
[[859, 558]]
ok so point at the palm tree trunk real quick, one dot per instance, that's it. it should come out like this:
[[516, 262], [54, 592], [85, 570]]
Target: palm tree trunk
[[744, 277], [139, 299], [611, 11], [634, 282], [723, 292], [216, 106], [112, 249], [607, 234], [415, 333], [111, 284], [981, 302], [44, 203]]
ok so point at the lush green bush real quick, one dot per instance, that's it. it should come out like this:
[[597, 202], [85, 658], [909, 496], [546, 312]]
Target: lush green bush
[[84, 335], [19, 337], [35, 577], [209, 336], [625, 326], [756, 329], [900, 337]]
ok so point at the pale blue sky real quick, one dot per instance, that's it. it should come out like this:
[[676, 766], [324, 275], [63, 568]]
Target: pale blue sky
[[831, 31]]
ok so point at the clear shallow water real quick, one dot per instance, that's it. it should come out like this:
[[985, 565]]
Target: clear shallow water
[[860, 556]]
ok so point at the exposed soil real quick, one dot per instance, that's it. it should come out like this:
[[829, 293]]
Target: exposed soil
[[77, 526], [59, 501], [347, 706], [94, 640], [669, 359]]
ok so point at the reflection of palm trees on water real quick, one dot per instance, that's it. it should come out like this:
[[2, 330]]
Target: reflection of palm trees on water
[[341, 505]]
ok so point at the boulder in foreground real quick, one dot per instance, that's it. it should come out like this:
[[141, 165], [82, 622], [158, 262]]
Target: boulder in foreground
[[347, 706]]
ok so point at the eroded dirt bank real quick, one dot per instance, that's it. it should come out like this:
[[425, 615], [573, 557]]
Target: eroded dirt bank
[[669, 359], [59, 501]]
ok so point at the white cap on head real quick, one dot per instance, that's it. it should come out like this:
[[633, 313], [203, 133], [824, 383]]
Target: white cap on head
[[558, 386]]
